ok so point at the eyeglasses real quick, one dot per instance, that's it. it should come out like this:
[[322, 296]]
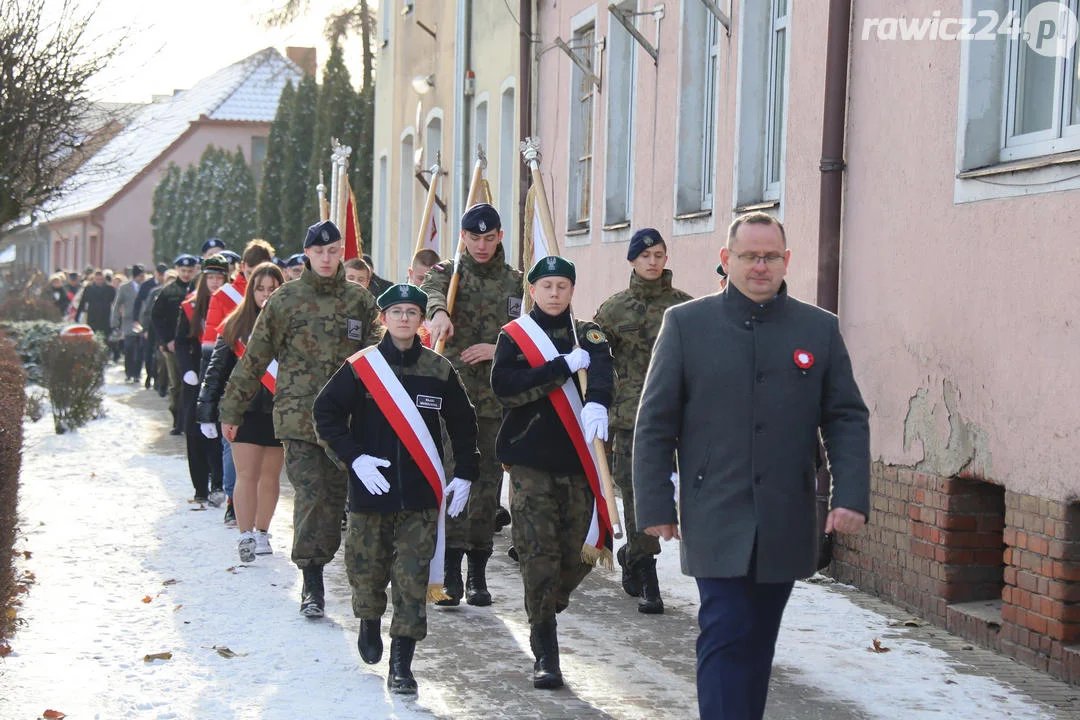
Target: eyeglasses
[[754, 258], [400, 313]]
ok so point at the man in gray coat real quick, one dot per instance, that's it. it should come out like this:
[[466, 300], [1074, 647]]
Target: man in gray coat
[[124, 317], [739, 385]]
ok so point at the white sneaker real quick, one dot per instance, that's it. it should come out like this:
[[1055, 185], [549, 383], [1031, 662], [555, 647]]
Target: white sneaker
[[246, 546], [262, 543]]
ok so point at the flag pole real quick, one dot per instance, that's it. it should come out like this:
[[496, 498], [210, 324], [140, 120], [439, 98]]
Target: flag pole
[[429, 206], [476, 186], [530, 150], [324, 207]]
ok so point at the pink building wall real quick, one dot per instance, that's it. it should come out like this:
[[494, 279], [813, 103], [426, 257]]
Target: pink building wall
[[961, 317]]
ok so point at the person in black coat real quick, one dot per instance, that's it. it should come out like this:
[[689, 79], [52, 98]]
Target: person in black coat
[[192, 357], [553, 498], [97, 301], [740, 385], [163, 315], [395, 528]]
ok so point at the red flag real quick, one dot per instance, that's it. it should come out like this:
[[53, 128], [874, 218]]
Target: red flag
[[431, 237], [353, 241]]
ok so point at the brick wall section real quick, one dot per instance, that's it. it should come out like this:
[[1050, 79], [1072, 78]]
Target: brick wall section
[[935, 541]]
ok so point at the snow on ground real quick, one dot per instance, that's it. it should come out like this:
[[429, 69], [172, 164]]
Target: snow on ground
[[126, 567]]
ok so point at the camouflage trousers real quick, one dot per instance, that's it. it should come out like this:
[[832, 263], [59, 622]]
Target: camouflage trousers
[[551, 515], [394, 548], [638, 544], [475, 528], [318, 497]]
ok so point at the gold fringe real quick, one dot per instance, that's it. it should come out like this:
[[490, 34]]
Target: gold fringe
[[435, 593], [594, 557]]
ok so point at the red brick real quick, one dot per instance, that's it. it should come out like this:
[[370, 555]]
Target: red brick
[[1066, 632], [1010, 575], [969, 523], [1065, 592], [1039, 544], [1069, 571], [1036, 623], [915, 513], [1027, 581], [1009, 536]]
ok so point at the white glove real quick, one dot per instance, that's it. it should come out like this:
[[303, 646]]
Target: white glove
[[366, 468], [209, 430], [460, 490], [191, 378], [577, 359], [675, 482], [594, 418]]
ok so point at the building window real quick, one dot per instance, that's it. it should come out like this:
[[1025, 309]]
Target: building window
[[777, 95], [258, 158], [698, 108], [1042, 113], [583, 95], [620, 122], [95, 251], [480, 129], [405, 235], [506, 198], [433, 141], [381, 249]]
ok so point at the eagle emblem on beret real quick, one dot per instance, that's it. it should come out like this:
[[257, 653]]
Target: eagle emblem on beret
[[403, 291], [483, 226], [551, 262], [649, 240], [325, 236]]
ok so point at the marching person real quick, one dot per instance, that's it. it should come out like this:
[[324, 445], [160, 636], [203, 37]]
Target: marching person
[[212, 247], [96, 301], [257, 452], [164, 314], [546, 439], [631, 321], [488, 296], [740, 385], [126, 321], [422, 263], [379, 416], [294, 267], [357, 271], [192, 357], [307, 326]]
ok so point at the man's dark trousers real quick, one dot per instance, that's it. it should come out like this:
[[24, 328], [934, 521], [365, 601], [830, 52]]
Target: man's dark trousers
[[739, 621], [133, 356]]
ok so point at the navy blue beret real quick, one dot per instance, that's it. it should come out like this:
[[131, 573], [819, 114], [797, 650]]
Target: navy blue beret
[[185, 260], [211, 244], [481, 218], [295, 260], [279, 262], [161, 267], [642, 239], [322, 233], [229, 255]]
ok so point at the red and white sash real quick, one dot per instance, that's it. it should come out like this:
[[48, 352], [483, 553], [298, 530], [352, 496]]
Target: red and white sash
[[269, 378], [231, 297], [538, 349], [399, 410]]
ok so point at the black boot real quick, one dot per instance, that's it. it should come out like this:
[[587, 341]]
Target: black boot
[[370, 641], [452, 584], [176, 429], [545, 647], [476, 590], [400, 679], [630, 583], [649, 602], [502, 518], [312, 601]]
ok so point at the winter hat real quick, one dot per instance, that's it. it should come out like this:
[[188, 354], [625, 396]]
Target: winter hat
[[643, 239], [553, 266], [403, 293]]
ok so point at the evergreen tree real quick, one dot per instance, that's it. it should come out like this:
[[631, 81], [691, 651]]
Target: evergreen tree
[[183, 214], [270, 190], [165, 245], [205, 219], [238, 204], [362, 168], [336, 98], [296, 210]]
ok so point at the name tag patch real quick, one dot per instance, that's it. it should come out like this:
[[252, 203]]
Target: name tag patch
[[428, 402], [355, 329], [513, 307]]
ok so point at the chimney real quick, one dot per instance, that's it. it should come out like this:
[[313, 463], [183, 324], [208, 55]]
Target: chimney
[[304, 57]]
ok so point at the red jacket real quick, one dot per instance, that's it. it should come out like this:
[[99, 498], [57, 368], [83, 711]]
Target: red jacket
[[222, 302]]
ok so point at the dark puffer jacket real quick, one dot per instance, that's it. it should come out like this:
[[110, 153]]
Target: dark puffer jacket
[[222, 362]]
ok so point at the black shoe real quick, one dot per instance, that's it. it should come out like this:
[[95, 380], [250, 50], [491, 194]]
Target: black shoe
[[452, 584], [650, 602], [370, 641], [312, 601], [176, 431], [502, 518], [400, 679], [630, 583], [345, 520], [513, 553], [476, 590], [230, 514], [545, 646]]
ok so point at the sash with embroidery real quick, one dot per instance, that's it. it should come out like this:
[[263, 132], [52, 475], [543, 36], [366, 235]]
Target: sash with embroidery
[[269, 378], [397, 407], [538, 349]]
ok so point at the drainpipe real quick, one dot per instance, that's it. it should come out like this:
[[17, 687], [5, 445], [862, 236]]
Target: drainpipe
[[525, 105], [830, 208]]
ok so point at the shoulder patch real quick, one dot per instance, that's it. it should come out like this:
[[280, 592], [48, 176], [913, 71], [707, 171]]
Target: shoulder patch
[[595, 337]]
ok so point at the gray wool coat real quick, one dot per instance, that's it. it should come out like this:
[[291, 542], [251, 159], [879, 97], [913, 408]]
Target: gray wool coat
[[123, 309], [725, 393]]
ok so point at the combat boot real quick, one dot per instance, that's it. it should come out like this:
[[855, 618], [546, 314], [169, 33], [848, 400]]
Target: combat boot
[[476, 590], [649, 602], [370, 641], [502, 518], [452, 584], [312, 600], [400, 679], [545, 646], [630, 584]]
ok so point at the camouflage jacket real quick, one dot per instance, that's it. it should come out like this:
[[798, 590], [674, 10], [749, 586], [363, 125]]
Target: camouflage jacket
[[309, 326], [631, 321], [488, 297]]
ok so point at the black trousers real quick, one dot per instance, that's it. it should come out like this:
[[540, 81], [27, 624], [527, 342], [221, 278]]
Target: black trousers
[[133, 356], [203, 454]]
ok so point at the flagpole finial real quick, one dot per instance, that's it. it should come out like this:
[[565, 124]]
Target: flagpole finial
[[481, 156], [530, 151]]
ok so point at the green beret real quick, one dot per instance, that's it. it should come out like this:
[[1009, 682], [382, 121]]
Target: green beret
[[403, 293], [552, 266]]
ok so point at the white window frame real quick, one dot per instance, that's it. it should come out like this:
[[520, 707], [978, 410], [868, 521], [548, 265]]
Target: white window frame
[[578, 232], [406, 219], [710, 111], [481, 107], [381, 253], [776, 116], [619, 107], [506, 197], [433, 116]]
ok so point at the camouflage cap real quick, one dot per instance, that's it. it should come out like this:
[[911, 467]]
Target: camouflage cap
[[552, 266], [403, 293]]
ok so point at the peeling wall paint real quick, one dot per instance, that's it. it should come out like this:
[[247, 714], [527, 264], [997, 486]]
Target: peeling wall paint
[[951, 445]]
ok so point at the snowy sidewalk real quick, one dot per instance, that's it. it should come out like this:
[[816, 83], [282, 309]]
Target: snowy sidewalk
[[125, 567]]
